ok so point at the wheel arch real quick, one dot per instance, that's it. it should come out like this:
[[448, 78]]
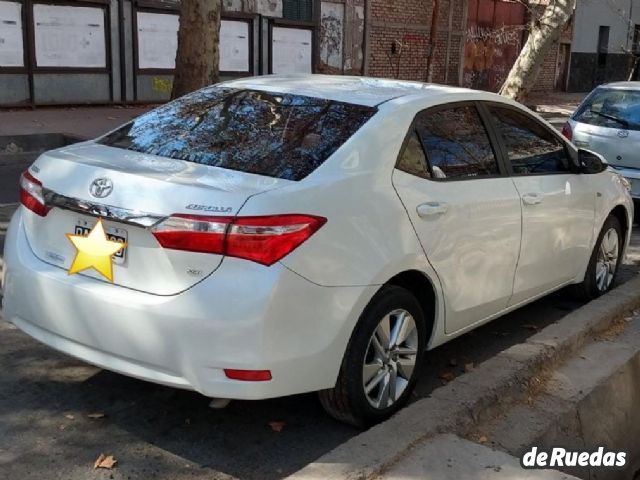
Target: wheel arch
[[622, 214], [421, 286]]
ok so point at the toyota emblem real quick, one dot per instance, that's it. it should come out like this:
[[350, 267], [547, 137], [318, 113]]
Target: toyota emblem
[[101, 187]]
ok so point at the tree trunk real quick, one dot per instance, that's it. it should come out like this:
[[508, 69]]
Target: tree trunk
[[545, 31], [198, 56]]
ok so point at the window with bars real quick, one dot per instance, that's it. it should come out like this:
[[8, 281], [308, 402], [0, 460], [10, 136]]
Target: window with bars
[[298, 10]]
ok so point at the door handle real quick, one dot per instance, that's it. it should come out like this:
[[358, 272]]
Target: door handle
[[431, 209], [532, 198]]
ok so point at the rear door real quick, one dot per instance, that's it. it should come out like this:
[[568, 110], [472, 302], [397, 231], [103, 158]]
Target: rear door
[[464, 208], [558, 205]]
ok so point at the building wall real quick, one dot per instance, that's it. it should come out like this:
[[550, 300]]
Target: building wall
[[588, 70], [459, 42], [546, 81], [402, 43]]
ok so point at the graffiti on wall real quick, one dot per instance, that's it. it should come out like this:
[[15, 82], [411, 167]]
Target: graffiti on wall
[[161, 85], [489, 53], [331, 36]]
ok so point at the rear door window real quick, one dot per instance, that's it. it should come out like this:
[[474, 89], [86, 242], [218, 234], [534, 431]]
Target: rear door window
[[456, 143], [278, 135], [532, 148], [413, 160]]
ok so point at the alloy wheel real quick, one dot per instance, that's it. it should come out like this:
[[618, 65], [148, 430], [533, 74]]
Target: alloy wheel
[[607, 262], [390, 359]]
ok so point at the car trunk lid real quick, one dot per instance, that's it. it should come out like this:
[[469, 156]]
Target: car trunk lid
[[142, 190]]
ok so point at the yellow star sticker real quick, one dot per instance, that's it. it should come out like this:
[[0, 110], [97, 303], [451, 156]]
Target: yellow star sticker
[[94, 251]]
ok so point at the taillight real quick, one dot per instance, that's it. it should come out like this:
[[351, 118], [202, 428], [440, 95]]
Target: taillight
[[567, 131], [264, 240], [31, 195]]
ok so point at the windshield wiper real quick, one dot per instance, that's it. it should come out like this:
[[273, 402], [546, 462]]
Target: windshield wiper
[[621, 121]]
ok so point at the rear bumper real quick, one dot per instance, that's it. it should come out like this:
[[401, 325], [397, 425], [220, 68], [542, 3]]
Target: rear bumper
[[245, 316]]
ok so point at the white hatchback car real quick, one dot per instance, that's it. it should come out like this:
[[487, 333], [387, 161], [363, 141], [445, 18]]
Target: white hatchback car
[[608, 122], [308, 233]]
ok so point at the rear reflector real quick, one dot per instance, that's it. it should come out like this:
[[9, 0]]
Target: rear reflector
[[264, 240], [31, 195], [248, 375]]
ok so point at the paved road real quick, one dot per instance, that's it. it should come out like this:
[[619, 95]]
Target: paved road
[[161, 433]]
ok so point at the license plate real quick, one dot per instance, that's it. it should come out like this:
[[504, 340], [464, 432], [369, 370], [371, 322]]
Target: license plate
[[83, 227]]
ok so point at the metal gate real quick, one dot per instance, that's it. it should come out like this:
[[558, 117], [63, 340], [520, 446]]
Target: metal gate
[[495, 33]]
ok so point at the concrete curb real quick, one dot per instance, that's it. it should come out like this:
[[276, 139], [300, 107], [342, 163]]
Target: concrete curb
[[457, 407]]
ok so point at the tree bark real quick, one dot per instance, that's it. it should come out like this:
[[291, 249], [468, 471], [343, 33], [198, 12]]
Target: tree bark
[[545, 31], [198, 56]]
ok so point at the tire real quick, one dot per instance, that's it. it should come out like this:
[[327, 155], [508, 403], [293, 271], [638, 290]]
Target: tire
[[348, 401], [593, 286]]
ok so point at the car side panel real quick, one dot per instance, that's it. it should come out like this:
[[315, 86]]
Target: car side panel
[[474, 245], [556, 233], [613, 194]]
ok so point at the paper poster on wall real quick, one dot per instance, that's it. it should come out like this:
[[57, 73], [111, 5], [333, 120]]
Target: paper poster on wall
[[11, 49], [332, 28], [234, 46], [69, 36], [291, 50], [157, 40]]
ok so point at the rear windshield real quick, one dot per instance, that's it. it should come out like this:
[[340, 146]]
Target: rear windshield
[[273, 134], [612, 108]]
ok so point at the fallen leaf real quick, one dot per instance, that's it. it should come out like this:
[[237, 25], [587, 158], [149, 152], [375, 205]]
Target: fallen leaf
[[482, 439], [277, 426], [96, 415], [105, 461], [69, 416], [469, 367], [447, 376]]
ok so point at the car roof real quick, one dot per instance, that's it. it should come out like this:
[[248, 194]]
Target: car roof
[[366, 91], [622, 85]]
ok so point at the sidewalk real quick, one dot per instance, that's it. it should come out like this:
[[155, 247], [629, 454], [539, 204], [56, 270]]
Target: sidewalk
[[85, 122], [555, 107], [448, 457]]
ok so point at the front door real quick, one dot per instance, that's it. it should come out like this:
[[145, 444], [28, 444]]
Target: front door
[[558, 205], [465, 211]]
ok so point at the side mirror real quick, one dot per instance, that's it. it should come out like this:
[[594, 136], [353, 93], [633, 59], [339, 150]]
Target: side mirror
[[591, 162]]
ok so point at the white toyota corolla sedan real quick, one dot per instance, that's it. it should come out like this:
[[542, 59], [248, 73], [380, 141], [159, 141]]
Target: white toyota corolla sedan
[[308, 233]]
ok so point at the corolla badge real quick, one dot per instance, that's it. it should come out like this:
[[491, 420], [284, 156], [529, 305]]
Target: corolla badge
[[623, 133], [101, 187]]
